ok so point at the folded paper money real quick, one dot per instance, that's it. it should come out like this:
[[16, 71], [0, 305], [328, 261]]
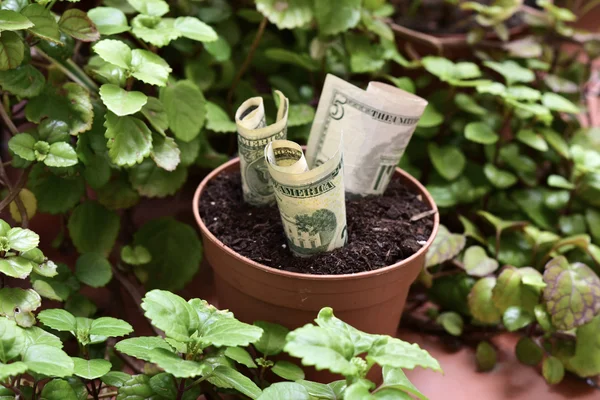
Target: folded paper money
[[377, 123], [253, 136], [311, 201]]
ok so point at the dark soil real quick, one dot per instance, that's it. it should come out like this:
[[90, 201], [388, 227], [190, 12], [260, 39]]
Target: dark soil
[[379, 229]]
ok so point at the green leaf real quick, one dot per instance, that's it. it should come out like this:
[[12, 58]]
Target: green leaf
[[165, 152], [175, 365], [553, 370], [140, 347], [556, 102], [445, 246], [510, 291], [58, 389], [219, 49], [154, 30], [69, 104], [557, 142], [300, 114], [61, 154], [135, 255], [511, 71], [16, 267], [112, 327], [58, 319], [361, 341], [559, 181], [528, 352], [156, 8], [24, 81], [480, 132], [284, 56], [170, 313], [152, 181], [397, 353], [90, 369], [12, 340], [46, 26], [11, 50], [129, 139], [154, 112], [185, 107], [337, 16], [319, 390], [77, 24], [477, 262], [80, 306], [54, 194], [120, 101], [531, 139], [272, 340], [170, 243], [108, 20], [118, 194], [193, 28], [515, 318], [93, 228], [93, 269], [288, 371], [13, 21], [240, 355], [449, 161], [22, 144], [285, 390], [115, 378], [163, 384], [137, 387], [586, 360], [48, 360], [452, 322], [499, 178], [364, 56], [149, 67], [394, 378], [9, 370], [225, 377], [17, 304], [114, 52], [592, 217], [293, 14], [480, 301], [431, 117], [97, 172], [571, 294], [22, 239], [486, 357], [217, 119]]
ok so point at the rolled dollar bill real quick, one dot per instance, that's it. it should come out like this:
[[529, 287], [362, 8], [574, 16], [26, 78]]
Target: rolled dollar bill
[[253, 136], [377, 123], [311, 201]]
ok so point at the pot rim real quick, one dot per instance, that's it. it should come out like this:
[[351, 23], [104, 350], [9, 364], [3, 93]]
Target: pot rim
[[359, 275]]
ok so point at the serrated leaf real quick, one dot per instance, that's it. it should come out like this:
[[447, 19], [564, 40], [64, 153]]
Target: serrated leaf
[[397, 353], [558, 103], [11, 50], [93, 228], [193, 28], [149, 67], [155, 113], [394, 378], [511, 71], [240, 355], [480, 132], [572, 293], [137, 387], [129, 139], [61, 155], [272, 340], [22, 144], [226, 377], [90, 369], [69, 104], [77, 24], [170, 312], [361, 341], [449, 161], [55, 195], [152, 181], [13, 21], [16, 267], [112, 327], [60, 320], [46, 26], [165, 152], [185, 107], [285, 390], [156, 8], [135, 255], [154, 30], [10, 370], [140, 347], [108, 20], [118, 194], [480, 301], [120, 101], [12, 340], [217, 119], [164, 385], [115, 52], [115, 378], [93, 269], [22, 239], [48, 360], [445, 246], [337, 16], [17, 304], [293, 14], [288, 371], [173, 364], [24, 81]]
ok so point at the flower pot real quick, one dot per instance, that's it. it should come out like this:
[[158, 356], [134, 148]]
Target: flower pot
[[371, 301]]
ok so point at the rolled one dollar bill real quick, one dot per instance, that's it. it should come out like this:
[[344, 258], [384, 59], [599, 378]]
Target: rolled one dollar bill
[[311, 201], [253, 136], [377, 123]]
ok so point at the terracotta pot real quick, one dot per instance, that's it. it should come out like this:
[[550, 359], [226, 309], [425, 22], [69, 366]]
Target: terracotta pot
[[371, 301]]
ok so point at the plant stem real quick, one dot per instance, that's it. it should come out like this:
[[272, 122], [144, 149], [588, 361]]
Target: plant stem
[[94, 390], [181, 389], [91, 88], [18, 201], [247, 61], [107, 395], [15, 192], [82, 74], [11, 126], [13, 389]]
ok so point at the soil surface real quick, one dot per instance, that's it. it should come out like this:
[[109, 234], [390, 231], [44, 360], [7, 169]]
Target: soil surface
[[380, 232]]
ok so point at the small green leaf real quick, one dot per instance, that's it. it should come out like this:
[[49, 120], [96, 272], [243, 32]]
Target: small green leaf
[[93, 228], [115, 52], [285, 390], [480, 132], [175, 365], [532, 139], [129, 139], [186, 110], [22, 239], [165, 152], [61, 154], [528, 352], [288, 371], [560, 182], [337, 16], [449, 161], [149, 67], [468, 104], [284, 56], [108, 20], [293, 14], [157, 31], [120, 101], [220, 49], [12, 340], [486, 357], [241, 356], [553, 370], [477, 262], [151, 180], [135, 255], [16, 267], [431, 117], [22, 144], [511, 71], [480, 301], [48, 360], [452, 322], [571, 293], [137, 387], [46, 26], [445, 246], [170, 313], [300, 114], [557, 142], [556, 102], [115, 378], [156, 8], [93, 269], [225, 377], [90, 369], [77, 24], [394, 378], [272, 340], [58, 389], [139, 347], [397, 353], [499, 178], [112, 327], [60, 320], [163, 384], [193, 28], [155, 113], [217, 119], [13, 21], [11, 50], [515, 318]]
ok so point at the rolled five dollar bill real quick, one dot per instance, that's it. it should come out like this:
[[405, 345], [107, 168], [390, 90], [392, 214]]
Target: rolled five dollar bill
[[311, 202], [253, 136], [377, 123]]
